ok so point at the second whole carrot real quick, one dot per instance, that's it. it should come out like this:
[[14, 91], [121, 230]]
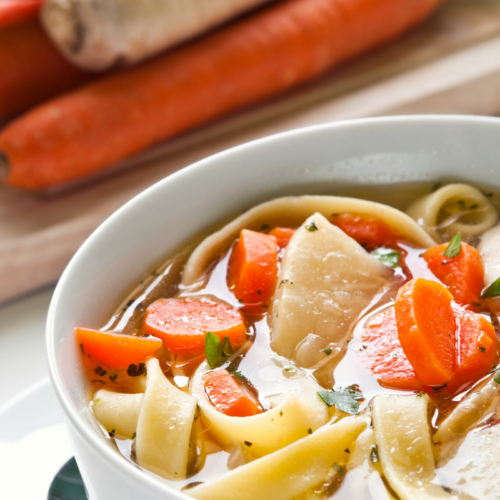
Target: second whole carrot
[[269, 52]]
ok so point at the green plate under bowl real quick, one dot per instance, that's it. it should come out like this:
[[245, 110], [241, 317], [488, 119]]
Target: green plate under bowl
[[68, 483]]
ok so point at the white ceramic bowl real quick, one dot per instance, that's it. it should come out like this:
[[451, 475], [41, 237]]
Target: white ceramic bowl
[[156, 223]]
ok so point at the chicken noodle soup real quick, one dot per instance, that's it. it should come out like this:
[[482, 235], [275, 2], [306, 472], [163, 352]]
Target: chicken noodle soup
[[314, 347]]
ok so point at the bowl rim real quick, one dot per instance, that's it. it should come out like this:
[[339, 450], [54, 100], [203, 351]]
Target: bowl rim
[[92, 439]]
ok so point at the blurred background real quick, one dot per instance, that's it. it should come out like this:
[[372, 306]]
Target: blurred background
[[100, 99]]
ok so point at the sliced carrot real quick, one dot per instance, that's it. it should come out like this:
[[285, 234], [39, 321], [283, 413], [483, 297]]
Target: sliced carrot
[[427, 329], [463, 275], [282, 235], [228, 396], [478, 348], [384, 357], [253, 268], [263, 54], [116, 350], [183, 324], [370, 232], [18, 11]]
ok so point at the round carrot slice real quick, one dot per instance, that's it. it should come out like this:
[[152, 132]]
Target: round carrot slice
[[478, 347], [116, 350], [283, 235], [463, 275], [253, 268], [183, 324], [228, 396], [383, 356], [427, 329]]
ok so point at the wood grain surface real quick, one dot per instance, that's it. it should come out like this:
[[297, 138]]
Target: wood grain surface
[[448, 65]]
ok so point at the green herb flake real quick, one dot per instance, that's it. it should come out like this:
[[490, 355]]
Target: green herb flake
[[83, 350], [421, 394], [437, 186], [112, 434], [264, 227], [248, 443], [281, 413], [113, 378], [309, 431], [337, 468], [482, 349], [476, 304], [345, 400], [473, 207], [454, 247], [237, 374], [216, 351], [97, 400], [347, 450], [327, 351], [492, 291], [134, 435], [311, 227], [387, 256], [374, 454], [497, 379]]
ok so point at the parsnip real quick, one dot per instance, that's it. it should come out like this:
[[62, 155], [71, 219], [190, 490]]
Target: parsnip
[[97, 34]]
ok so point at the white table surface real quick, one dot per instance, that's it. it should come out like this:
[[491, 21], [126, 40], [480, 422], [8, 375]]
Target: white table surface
[[22, 343]]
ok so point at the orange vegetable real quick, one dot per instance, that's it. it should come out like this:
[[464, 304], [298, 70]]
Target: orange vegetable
[[182, 324], [282, 235], [478, 348], [263, 54], [17, 11], [253, 268], [463, 275], [371, 232], [384, 357], [116, 350], [427, 330], [228, 396], [32, 70]]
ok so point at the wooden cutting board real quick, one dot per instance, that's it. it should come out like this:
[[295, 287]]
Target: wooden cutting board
[[451, 64]]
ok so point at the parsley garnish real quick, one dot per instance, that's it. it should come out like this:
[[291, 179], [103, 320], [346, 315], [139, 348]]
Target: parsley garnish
[[345, 400], [327, 351], [338, 468], [420, 394], [374, 454], [482, 349], [136, 370], [113, 378], [134, 435], [387, 256], [248, 443], [98, 370], [309, 431], [311, 227], [112, 434], [492, 291], [454, 247], [436, 187], [81, 347], [237, 374], [347, 450], [476, 304], [497, 379], [216, 351], [97, 400]]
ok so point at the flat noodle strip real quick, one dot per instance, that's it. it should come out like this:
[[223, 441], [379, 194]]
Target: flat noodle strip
[[293, 210], [465, 203], [118, 412], [299, 410], [489, 250], [404, 443], [164, 426], [288, 472], [470, 410]]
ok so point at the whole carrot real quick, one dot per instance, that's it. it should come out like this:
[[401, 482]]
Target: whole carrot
[[264, 54], [17, 11], [31, 69]]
